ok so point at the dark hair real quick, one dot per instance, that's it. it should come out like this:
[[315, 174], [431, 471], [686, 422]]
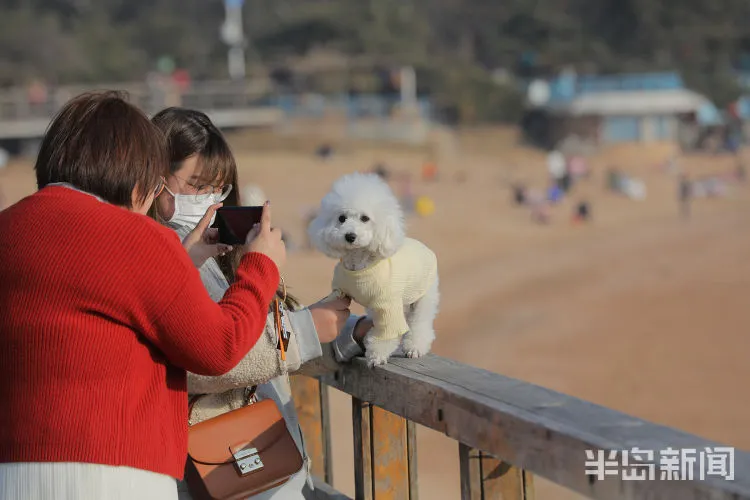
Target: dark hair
[[189, 132], [105, 146]]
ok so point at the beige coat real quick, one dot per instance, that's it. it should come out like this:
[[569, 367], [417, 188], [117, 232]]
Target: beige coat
[[263, 367]]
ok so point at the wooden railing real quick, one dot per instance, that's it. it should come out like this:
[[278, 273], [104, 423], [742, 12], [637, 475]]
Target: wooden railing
[[506, 431]]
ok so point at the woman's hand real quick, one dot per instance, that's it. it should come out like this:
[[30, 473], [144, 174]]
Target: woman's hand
[[329, 317], [203, 242], [266, 239], [360, 331]]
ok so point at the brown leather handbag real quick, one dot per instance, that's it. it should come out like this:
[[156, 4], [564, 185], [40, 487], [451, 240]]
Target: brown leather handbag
[[240, 453]]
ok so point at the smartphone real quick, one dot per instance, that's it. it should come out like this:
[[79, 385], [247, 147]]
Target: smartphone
[[235, 222]]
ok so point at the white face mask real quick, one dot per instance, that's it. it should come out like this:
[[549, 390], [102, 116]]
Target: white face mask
[[189, 209]]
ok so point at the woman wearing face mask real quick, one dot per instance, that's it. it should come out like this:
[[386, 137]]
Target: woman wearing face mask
[[203, 173], [99, 323]]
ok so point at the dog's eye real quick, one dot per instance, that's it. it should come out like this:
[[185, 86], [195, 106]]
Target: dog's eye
[[364, 218], [342, 218]]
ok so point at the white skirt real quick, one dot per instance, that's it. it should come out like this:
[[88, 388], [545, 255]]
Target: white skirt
[[82, 481]]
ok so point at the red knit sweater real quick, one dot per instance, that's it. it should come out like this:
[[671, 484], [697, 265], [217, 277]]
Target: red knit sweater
[[101, 313]]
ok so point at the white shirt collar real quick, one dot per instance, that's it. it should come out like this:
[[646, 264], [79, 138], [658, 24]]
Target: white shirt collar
[[71, 186]]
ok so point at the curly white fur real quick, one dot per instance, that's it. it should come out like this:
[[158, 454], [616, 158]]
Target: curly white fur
[[361, 222], [253, 195]]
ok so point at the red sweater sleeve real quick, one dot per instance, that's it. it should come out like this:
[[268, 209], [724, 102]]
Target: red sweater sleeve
[[207, 338]]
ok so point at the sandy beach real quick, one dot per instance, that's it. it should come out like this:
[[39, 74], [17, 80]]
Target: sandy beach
[[639, 310]]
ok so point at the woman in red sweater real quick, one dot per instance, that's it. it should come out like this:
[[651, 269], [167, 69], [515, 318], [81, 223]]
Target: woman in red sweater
[[102, 312]]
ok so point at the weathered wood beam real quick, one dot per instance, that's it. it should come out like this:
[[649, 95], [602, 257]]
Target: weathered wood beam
[[384, 454], [484, 477], [536, 429], [361, 423], [311, 401]]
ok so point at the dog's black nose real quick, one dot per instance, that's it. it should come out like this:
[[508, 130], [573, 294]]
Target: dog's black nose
[[350, 237]]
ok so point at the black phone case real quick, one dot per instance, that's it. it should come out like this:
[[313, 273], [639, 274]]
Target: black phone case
[[234, 223]]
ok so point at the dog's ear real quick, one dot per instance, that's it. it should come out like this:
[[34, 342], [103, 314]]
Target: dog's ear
[[319, 231], [390, 235], [315, 231]]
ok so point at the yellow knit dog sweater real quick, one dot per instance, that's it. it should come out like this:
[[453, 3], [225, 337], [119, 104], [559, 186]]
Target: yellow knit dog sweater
[[388, 285]]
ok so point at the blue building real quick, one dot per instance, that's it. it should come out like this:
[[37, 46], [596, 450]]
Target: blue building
[[620, 108]]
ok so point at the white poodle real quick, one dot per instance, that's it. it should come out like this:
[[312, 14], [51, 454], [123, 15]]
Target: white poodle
[[394, 277]]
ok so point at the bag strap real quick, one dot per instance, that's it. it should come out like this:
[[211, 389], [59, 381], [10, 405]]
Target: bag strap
[[278, 324], [249, 395]]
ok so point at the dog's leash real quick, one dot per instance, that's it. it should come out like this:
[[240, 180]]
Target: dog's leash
[[335, 295], [280, 324]]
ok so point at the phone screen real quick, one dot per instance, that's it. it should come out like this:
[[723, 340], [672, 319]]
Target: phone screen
[[235, 222]]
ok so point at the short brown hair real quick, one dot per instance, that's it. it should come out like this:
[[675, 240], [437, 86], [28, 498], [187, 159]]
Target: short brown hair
[[102, 144]]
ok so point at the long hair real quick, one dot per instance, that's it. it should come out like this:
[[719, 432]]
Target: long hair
[[189, 132]]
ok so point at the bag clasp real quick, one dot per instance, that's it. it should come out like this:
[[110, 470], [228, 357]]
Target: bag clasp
[[247, 461]]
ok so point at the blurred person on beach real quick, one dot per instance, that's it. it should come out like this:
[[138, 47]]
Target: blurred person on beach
[[556, 165], [613, 179], [540, 213], [685, 195], [565, 182], [429, 171], [38, 93], [519, 194], [324, 151], [407, 197], [555, 194], [579, 168], [203, 172], [740, 170], [539, 207], [582, 212], [381, 171], [101, 321]]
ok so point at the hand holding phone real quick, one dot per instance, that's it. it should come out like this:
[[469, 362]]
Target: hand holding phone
[[267, 240], [202, 243], [234, 223]]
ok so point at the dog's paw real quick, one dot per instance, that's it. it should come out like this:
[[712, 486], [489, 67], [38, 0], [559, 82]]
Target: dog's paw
[[416, 346], [415, 353], [377, 352], [374, 360]]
